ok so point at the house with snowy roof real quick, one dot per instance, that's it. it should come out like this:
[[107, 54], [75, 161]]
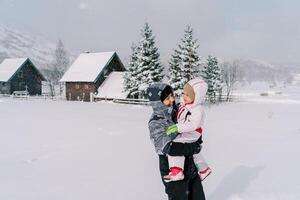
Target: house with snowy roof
[[20, 74], [88, 73]]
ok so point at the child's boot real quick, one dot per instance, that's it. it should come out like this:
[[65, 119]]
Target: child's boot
[[175, 174], [204, 173]]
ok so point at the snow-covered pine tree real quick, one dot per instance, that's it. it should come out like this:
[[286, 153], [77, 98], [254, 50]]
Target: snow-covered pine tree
[[176, 74], [131, 82], [190, 61], [150, 69], [211, 73]]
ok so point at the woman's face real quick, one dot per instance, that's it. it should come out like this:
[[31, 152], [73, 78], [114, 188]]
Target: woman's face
[[169, 101], [186, 98]]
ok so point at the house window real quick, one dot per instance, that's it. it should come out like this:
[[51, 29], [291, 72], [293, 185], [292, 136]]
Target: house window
[[86, 86], [77, 86]]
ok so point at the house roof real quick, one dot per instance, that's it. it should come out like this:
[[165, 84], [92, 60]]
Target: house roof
[[9, 67], [87, 67], [112, 87]]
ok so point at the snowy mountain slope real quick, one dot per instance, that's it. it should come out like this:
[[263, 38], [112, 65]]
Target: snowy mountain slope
[[258, 70], [74, 150], [14, 43]]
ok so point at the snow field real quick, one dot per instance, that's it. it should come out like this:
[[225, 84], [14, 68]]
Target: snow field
[[74, 150]]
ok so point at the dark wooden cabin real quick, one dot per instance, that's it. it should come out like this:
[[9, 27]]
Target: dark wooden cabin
[[88, 72], [20, 74]]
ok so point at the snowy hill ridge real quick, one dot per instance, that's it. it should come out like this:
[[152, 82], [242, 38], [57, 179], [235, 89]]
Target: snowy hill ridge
[[15, 43], [259, 63]]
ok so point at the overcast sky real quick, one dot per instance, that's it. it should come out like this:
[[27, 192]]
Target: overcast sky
[[256, 29]]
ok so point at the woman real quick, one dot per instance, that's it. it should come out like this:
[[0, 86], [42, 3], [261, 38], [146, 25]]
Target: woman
[[163, 104]]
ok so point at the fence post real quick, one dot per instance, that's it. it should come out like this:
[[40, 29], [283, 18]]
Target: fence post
[[91, 97]]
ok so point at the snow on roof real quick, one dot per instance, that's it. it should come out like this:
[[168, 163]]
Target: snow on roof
[[9, 67], [87, 67], [112, 87]]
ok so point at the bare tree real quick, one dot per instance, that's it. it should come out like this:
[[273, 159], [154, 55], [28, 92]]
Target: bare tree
[[53, 76], [231, 74], [57, 68]]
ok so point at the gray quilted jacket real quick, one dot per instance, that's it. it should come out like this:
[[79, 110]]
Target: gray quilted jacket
[[160, 120]]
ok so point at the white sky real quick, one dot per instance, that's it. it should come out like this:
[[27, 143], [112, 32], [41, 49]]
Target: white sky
[[257, 29]]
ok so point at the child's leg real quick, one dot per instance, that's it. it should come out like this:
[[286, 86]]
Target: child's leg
[[176, 165], [200, 162], [176, 161], [202, 166]]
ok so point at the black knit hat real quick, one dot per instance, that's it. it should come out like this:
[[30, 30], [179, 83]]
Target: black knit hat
[[159, 91], [166, 92]]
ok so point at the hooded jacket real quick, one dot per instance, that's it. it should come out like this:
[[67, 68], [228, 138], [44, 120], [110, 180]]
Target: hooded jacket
[[195, 121], [160, 119]]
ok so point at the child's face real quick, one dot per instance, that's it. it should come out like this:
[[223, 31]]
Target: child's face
[[186, 98], [169, 101]]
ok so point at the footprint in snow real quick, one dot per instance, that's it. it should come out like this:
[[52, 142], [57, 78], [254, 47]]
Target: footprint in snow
[[29, 161]]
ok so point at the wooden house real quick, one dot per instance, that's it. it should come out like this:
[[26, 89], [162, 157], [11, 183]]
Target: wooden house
[[88, 72], [20, 74]]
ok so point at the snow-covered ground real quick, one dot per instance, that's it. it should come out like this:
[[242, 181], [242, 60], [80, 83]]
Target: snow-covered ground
[[73, 150]]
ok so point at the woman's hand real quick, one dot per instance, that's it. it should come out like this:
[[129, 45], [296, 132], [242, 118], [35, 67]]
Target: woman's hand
[[172, 129]]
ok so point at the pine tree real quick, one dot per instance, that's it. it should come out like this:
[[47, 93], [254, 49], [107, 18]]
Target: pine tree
[[131, 82], [185, 63], [176, 74], [211, 73], [150, 69], [190, 61]]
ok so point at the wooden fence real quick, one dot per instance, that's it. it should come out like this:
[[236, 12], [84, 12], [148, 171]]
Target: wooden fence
[[146, 102]]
